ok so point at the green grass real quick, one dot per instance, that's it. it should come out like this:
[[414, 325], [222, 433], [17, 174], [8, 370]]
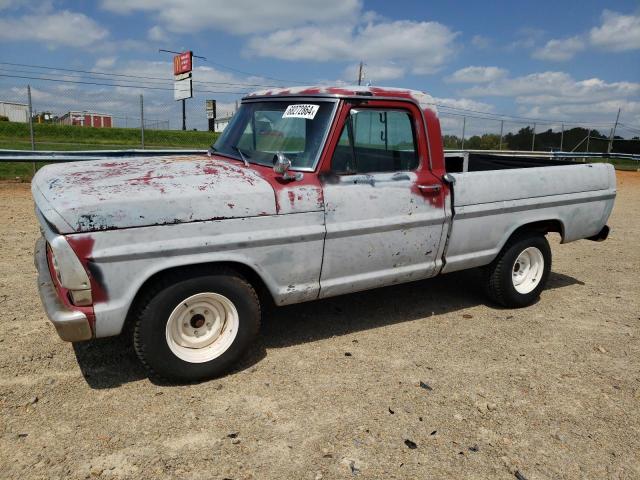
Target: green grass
[[619, 163], [62, 137], [15, 136]]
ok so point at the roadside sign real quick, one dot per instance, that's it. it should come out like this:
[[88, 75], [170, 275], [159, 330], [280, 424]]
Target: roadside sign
[[183, 63], [183, 88], [211, 109]]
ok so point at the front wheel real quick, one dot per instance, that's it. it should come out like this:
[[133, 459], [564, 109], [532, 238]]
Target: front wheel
[[197, 328], [520, 272]]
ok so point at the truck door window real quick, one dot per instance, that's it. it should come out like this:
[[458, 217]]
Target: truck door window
[[376, 141]]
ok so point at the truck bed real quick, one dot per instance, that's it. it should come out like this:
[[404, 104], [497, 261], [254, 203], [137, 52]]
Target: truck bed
[[488, 205]]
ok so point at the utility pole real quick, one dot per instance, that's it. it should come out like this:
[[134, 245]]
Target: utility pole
[[33, 143], [613, 132], [184, 115], [501, 133], [533, 142], [562, 138], [464, 126], [142, 121], [360, 74]]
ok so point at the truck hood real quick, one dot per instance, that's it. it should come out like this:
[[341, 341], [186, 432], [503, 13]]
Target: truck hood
[[135, 192]]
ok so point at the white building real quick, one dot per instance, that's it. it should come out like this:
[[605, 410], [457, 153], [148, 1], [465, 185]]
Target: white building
[[221, 123], [16, 112]]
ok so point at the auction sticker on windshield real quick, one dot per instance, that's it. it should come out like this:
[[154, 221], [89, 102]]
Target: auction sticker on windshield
[[301, 111]]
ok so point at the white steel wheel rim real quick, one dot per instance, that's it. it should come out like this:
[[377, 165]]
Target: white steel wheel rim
[[202, 327], [527, 270]]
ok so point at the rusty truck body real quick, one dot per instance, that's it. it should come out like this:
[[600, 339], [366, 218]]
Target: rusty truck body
[[309, 193]]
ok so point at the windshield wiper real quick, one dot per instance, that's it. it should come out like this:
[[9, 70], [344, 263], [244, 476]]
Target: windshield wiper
[[244, 159]]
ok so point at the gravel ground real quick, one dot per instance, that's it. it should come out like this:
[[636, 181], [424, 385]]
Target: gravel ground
[[333, 389]]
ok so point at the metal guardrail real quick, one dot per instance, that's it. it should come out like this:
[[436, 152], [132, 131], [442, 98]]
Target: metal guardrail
[[80, 155], [552, 155]]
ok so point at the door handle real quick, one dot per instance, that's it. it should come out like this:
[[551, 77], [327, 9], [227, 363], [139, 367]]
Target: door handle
[[435, 188]]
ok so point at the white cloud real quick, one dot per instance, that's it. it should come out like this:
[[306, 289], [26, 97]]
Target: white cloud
[[161, 111], [560, 50], [617, 33], [604, 112], [157, 34], [30, 4], [536, 87], [477, 74], [481, 42], [527, 38], [374, 73], [464, 103], [105, 62], [64, 28], [558, 95], [422, 47], [336, 30], [6, 4], [237, 16]]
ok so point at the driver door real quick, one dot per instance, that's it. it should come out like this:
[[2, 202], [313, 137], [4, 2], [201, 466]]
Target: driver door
[[384, 209]]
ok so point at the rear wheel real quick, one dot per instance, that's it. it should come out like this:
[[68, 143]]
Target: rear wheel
[[520, 272], [197, 328]]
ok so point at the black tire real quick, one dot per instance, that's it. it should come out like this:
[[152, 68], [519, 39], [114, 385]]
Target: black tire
[[499, 282], [150, 337]]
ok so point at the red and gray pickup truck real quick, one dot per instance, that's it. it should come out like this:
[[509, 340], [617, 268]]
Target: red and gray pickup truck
[[308, 193]]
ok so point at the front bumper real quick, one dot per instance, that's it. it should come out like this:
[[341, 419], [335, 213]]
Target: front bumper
[[71, 325]]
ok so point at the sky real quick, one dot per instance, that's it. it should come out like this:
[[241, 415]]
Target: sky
[[558, 61]]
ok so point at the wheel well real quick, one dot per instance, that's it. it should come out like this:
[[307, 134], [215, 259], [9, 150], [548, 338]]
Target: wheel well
[[542, 226], [249, 274]]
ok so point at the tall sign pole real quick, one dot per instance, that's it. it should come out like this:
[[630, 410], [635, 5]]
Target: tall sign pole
[[183, 85], [182, 76]]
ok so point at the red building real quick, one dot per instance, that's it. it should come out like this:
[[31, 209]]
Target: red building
[[87, 119]]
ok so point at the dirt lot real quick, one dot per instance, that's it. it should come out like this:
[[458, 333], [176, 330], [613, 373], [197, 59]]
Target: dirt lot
[[551, 391]]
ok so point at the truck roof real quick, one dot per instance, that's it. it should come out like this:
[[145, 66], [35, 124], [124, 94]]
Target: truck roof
[[424, 100]]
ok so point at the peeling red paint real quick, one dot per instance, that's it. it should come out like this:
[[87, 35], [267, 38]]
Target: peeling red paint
[[82, 245], [63, 294]]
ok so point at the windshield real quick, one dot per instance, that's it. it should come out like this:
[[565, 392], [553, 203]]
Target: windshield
[[259, 130]]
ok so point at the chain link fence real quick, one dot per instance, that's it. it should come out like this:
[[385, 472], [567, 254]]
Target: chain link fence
[[68, 117], [483, 133]]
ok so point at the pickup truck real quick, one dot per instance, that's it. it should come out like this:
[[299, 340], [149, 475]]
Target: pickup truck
[[308, 193]]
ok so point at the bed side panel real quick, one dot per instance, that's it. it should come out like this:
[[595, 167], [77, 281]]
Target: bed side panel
[[580, 197]]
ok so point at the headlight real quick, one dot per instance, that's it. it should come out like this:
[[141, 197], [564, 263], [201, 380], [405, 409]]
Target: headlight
[[79, 297]]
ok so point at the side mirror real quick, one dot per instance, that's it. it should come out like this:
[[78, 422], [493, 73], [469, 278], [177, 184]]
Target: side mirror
[[281, 165]]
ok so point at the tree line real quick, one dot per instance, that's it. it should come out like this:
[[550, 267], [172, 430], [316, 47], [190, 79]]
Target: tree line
[[574, 139]]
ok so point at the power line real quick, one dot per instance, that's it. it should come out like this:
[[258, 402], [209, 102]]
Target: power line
[[151, 82], [523, 120], [111, 84], [256, 74], [627, 127], [142, 77], [501, 116]]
